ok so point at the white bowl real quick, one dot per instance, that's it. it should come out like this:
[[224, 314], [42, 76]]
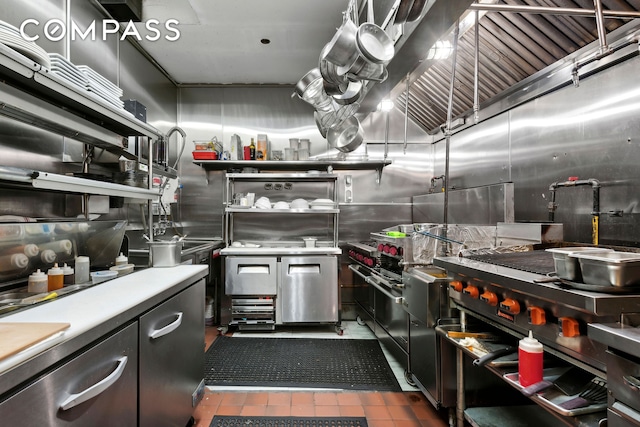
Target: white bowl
[[299, 204], [281, 205], [263, 203]]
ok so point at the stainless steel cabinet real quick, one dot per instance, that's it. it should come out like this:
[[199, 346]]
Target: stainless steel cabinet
[[172, 358], [96, 388], [308, 289]]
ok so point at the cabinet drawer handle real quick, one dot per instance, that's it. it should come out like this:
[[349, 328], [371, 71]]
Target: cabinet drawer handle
[[632, 382], [167, 329], [96, 389]]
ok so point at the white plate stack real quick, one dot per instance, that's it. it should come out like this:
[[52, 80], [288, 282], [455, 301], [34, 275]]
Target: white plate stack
[[10, 36], [65, 69], [101, 87]]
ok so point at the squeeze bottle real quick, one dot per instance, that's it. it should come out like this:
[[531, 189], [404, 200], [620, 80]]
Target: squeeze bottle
[[530, 354], [38, 282], [55, 278], [121, 259]]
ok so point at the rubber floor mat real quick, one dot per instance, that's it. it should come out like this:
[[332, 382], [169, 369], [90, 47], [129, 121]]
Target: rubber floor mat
[[299, 362], [234, 421]]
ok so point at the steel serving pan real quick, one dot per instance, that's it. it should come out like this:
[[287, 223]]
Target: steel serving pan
[[617, 269], [568, 267]]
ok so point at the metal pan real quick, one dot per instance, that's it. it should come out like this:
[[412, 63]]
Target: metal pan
[[347, 136], [416, 10], [403, 11], [342, 47], [374, 44], [310, 85], [351, 95]]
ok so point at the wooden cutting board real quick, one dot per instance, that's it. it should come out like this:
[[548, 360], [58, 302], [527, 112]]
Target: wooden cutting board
[[15, 337]]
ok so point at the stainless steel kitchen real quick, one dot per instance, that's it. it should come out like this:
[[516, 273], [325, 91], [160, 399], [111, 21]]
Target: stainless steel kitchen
[[368, 213]]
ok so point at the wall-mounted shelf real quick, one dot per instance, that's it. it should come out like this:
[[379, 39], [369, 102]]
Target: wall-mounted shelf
[[300, 165], [56, 182], [68, 103]]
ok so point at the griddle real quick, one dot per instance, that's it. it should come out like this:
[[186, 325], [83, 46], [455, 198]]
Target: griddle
[[537, 262]]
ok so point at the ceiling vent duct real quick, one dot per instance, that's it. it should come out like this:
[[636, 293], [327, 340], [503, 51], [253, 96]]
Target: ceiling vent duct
[[123, 10]]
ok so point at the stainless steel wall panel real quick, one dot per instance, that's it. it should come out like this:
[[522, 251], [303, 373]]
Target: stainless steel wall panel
[[101, 55], [374, 126]]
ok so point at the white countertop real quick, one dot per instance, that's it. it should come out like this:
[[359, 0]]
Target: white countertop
[[90, 307]]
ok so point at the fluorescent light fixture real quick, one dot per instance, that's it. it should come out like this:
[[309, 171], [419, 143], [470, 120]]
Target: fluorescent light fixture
[[385, 105], [442, 49]]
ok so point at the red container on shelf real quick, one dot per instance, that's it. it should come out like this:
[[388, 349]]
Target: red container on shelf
[[205, 155]]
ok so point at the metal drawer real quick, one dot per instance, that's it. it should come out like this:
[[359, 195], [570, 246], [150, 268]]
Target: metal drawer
[[622, 373], [620, 415], [251, 276], [96, 388]]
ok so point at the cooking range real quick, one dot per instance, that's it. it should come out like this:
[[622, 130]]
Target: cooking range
[[512, 292]]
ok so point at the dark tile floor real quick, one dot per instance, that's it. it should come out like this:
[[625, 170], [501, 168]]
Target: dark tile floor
[[381, 409]]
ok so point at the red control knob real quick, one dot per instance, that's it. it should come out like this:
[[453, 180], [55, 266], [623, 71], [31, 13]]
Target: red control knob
[[537, 315], [393, 250], [380, 247], [490, 298], [472, 291], [385, 249], [510, 306], [569, 327], [359, 257], [456, 285]]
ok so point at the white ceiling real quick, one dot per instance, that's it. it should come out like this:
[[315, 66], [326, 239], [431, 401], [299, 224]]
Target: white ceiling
[[220, 39]]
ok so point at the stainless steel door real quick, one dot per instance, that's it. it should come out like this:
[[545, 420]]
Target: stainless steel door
[[172, 358], [309, 289], [251, 275], [96, 388]]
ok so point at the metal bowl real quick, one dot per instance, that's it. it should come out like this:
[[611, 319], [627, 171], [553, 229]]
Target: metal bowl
[[347, 136], [310, 85]]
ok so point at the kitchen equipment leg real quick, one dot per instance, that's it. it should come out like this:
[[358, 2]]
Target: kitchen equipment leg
[[460, 402]]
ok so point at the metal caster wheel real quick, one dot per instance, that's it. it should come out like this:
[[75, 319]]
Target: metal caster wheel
[[409, 379], [223, 329], [359, 321], [339, 330]]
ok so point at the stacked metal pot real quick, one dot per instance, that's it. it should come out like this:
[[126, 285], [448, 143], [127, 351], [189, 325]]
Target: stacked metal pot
[[353, 60]]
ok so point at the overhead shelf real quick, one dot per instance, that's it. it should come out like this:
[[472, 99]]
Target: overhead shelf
[[36, 84], [299, 165], [56, 182]]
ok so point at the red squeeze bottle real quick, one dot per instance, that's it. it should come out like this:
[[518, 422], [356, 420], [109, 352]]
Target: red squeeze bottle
[[530, 354]]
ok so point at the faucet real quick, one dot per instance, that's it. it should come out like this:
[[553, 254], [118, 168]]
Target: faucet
[[432, 189], [165, 151]]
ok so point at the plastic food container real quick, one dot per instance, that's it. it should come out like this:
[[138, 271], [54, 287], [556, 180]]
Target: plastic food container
[[123, 269], [619, 269], [205, 155], [102, 276], [568, 267]]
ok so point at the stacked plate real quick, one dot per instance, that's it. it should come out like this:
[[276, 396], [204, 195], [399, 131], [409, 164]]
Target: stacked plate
[[10, 36], [65, 69], [101, 87]]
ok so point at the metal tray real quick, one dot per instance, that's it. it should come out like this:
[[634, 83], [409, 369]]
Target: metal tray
[[568, 267], [552, 398], [618, 269]]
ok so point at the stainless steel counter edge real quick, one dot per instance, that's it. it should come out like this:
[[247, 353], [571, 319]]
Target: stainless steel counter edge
[[281, 251], [616, 335], [93, 313]]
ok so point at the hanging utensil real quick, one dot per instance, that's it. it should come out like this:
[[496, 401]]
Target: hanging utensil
[[346, 137], [342, 47], [416, 10], [403, 11]]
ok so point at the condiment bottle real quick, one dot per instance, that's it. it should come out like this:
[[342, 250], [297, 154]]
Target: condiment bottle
[[13, 262], [38, 282], [55, 278], [530, 354], [252, 150], [121, 259], [82, 269], [48, 256], [68, 275]]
